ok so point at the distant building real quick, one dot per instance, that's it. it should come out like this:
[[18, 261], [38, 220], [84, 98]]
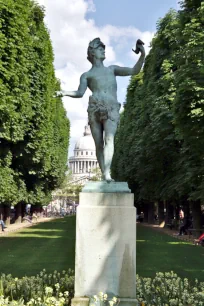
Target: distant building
[[84, 160]]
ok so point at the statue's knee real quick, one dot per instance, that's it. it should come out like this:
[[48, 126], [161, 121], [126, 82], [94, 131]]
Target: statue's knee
[[109, 140]]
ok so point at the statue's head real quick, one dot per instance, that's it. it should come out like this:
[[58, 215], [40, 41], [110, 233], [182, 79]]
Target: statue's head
[[93, 47]]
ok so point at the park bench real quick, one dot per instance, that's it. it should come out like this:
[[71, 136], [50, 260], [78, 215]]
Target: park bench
[[26, 219], [195, 232], [34, 218]]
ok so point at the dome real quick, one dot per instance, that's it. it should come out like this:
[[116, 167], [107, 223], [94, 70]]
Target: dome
[[84, 160], [86, 142]]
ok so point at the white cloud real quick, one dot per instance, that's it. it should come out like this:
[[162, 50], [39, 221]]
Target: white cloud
[[178, 4], [70, 33]]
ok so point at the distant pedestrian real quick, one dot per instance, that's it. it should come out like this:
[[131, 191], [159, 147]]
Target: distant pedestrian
[[141, 217], [3, 226], [188, 224], [181, 214]]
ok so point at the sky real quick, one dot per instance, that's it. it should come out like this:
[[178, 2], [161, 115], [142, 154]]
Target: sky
[[119, 23]]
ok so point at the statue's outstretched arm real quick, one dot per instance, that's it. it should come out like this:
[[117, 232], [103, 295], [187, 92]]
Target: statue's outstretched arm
[[78, 93], [126, 71]]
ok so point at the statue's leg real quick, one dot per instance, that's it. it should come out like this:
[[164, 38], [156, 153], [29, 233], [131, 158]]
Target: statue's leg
[[97, 133], [110, 128]]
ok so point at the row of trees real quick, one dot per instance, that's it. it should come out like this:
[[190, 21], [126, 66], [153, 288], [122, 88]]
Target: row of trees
[[34, 129], [71, 188], [160, 140]]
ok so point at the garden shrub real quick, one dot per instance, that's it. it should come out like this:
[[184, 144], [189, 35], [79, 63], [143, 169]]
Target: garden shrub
[[168, 289], [35, 287], [165, 289]]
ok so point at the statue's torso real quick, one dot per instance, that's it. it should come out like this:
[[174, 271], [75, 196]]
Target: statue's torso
[[103, 104], [102, 83]]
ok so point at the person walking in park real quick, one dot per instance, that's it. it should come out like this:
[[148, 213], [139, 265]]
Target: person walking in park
[[188, 224], [103, 109], [3, 226]]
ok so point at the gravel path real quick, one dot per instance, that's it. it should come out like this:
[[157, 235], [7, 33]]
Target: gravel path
[[18, 226]]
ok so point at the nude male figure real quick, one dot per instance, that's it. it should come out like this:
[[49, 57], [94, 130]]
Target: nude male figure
[[103, 109]]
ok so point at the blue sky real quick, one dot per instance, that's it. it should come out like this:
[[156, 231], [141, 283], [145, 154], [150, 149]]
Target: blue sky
[[140, 14], [119, 23]]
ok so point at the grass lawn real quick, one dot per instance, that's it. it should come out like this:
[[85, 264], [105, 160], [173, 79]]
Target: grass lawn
[[51, 245], [158, 252]]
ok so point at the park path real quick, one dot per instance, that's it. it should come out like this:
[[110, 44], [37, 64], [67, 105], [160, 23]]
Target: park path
[[18, 226], [173, 233]]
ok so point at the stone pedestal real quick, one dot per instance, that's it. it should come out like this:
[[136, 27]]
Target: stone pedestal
[[105, 243]]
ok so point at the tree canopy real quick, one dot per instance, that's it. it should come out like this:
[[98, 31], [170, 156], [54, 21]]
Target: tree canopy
[[34, 129], [160, 139]]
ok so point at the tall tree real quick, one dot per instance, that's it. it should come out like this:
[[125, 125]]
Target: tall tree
[[147, 130], [160, 138], [34, 129]]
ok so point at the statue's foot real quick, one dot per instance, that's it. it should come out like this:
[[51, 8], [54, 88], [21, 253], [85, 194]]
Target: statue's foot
[[108, 178], [103, 177]]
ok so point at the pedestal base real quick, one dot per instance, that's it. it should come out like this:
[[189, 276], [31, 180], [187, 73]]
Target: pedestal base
[[80, 301], [86, 301], [105, 244]]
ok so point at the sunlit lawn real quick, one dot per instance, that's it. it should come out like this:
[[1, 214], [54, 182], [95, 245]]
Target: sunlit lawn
[[51, 245], [158, 252]]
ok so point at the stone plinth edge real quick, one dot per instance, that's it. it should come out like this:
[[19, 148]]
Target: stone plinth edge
[[128, 302], [85, 302], [104, 187], [100, 199], [80, 301]]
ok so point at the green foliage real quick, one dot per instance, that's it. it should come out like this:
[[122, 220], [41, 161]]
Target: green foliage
[[34, 130], [188, 107], [169, 289], [69, 188], [164, 289], [160, 139], [35, 287], [96, 174]]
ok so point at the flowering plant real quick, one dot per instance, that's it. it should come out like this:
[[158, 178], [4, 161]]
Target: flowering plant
[[167, 289], [102, 299]]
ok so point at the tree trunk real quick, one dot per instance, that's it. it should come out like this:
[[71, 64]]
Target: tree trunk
[[196, 212], [151, 212], [23, 210], [1, 212], [7, 218], [161, 212], [145, 211], [169, 212], [38, 210], [156, 208], [18, 213]]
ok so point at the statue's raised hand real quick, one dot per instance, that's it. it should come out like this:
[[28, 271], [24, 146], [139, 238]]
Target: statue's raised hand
[[139, 47], [58, 94]]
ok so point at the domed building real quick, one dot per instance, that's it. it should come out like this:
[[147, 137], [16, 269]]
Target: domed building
[[84, 160]]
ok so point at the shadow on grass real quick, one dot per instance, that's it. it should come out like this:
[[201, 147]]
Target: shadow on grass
[[49, 245], [163, 253]]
